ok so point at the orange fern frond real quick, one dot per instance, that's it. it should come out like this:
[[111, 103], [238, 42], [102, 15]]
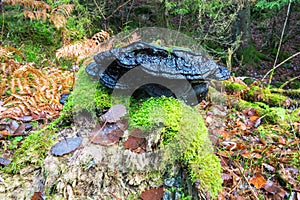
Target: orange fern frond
[[33, 91], [8, 52], [59, 15], [83, 49], [36, 15], [58, 20], [65, 9]]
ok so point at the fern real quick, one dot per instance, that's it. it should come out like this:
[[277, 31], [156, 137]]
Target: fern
[[83, 49], [26, 90], [59, 15], [36, 10], [271, 5]]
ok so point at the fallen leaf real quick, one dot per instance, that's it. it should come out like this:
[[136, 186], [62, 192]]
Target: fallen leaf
[[252, 112], [28, 127], [27, 118], [272, 188], [268, 167], [251, 155], [38, 196], [258, 181], [4, 133], [227, 180], [13, 126], [66, 146], [114, 114], [209, 119], [281, 140], [135, 144], [136, 132], [20, 130], [241, 125], [4, 162], [106, 135], [153, 194], [287, 175]]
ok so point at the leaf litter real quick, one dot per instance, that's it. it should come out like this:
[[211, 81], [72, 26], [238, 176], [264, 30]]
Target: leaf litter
[[259, 160]]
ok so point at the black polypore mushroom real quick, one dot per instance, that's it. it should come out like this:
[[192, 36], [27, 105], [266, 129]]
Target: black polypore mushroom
[[157, 71]]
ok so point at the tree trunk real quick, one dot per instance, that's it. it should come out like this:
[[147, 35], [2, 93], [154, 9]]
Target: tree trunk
[[242, 25]]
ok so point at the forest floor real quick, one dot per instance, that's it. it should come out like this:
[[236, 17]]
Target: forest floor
[[260, 159]]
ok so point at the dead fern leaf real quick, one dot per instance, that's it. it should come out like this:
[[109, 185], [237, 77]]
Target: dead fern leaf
[[59, 15], [83, 49], [33, 91], [58, 20], [65, 9], [8, 52]]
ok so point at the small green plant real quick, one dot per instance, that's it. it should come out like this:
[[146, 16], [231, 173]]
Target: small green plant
[[14, 142]]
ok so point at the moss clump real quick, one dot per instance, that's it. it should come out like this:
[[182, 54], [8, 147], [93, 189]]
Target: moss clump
[[234, 87], [256, 93], [185, 139], [251, 56], [88, 94], [33, 150], [275, 115], [295, 115]]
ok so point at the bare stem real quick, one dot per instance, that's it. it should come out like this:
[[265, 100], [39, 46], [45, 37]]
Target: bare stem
[[292, 56], [280, 42]]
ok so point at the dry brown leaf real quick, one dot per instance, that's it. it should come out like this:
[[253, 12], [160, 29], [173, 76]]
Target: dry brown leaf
[[4, 162], [250, 155], [106, 134], [153, 194], [272, 188], [135, 144], [258, 181]]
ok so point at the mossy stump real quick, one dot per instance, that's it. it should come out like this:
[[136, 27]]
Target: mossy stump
[[106, 172]]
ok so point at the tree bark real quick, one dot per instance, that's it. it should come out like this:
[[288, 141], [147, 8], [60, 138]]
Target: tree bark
[[242, 25]]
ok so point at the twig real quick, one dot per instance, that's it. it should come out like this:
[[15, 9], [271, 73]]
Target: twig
[[287, 82], [292, 56], [280, 42], [251, 189], [120, 6], [99, 9]]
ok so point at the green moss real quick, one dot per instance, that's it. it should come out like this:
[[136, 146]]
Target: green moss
[[274, 99], [88, 94], [251, 56], [256, 93], [234, 87], [185, 139], [295, 115], [275, 115], [33, 150]]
